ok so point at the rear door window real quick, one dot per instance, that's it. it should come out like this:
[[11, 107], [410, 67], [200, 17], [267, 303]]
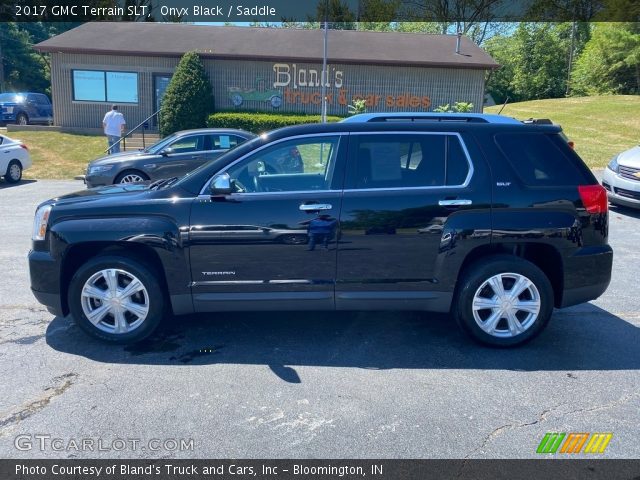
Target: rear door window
[[408, 160], [538, 160]]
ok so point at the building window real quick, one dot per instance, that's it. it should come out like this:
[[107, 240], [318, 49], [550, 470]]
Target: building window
[[100, 86]]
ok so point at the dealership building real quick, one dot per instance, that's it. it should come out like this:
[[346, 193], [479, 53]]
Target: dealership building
[[258, 69]]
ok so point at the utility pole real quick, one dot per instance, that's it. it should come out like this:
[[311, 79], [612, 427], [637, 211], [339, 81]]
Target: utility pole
[[571, 49], [1, 68], [325, 74]]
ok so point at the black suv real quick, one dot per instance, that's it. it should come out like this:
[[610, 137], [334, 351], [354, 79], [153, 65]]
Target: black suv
[[497, 222]]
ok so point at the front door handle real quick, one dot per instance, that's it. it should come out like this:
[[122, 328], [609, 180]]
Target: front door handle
[[314, 207], [456, 202]]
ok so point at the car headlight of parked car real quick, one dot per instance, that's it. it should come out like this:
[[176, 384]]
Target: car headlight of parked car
[[8, 109], [94, 169], [40, 222], [613, 164]]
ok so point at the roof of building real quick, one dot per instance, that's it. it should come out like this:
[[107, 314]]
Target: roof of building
[[227, 42]]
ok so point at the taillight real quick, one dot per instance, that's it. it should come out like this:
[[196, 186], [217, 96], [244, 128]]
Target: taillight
[[22, 145], [594, 198], [571, 144]]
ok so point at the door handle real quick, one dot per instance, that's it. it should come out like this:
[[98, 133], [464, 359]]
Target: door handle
[[314, 207], [457, 202]]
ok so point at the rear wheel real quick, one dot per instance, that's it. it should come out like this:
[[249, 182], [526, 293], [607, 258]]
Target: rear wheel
[[14, 172], [131, 176], [116, 299], [504, 301]]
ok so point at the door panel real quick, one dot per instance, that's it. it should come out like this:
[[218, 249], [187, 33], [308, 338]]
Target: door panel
[[253, 246], [402, 192]]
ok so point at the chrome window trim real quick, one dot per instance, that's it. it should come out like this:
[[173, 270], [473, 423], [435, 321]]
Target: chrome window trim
[[270, 144], [464, 184], [467, 181]]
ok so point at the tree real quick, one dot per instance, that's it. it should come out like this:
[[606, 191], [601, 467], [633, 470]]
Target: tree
[[534, 60], [23, 68], [610, 62], [188, 99]]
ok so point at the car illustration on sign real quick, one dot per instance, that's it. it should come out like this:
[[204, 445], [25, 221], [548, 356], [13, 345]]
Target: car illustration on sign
[[239, 95]]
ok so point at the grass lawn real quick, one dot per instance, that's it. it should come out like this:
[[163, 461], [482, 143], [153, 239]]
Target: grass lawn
[[599, 126], [60, 155]]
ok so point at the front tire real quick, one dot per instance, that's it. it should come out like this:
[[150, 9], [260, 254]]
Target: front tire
[[22, 119], [116, 299], [131, 176], [14, 172], [503, 301]]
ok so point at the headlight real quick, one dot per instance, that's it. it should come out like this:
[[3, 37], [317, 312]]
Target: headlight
[[40, 223], [8, 109], [613, 164], [93, 169]]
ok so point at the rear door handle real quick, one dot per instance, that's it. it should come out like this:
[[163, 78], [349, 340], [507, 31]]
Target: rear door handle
[[314, 207], [457, 202]]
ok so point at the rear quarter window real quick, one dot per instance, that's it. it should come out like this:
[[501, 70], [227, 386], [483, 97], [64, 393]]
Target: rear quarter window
[[538, 159]]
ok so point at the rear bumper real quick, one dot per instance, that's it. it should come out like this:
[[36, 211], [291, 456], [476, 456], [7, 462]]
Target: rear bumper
[[587, 275]]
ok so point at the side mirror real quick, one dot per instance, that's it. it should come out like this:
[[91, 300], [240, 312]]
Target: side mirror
[[221, 185], [166, 152]]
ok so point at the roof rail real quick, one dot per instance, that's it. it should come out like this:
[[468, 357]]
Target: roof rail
[[430, 117]]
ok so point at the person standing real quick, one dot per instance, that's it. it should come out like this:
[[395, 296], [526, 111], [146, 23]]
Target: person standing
[[113, 125]]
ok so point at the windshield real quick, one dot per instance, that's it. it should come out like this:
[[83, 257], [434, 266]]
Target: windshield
[[11, 97], [161, 144]]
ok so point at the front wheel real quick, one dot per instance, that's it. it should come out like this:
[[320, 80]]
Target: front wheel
[[22, 119], [131, 176], [503, 301], [116, 299]]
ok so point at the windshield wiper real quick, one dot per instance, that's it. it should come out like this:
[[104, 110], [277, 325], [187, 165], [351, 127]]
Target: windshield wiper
[[165, 182]]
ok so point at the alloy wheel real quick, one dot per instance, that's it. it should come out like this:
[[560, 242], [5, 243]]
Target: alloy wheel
[[132, 178], [506, 305], [115, 301]]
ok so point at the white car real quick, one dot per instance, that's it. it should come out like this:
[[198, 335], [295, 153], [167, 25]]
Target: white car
[[621, 178], [14, 158]]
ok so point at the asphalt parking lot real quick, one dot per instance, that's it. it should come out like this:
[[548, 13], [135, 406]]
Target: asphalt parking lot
[[318, 385]]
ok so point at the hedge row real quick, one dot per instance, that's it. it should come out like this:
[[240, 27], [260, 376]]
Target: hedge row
[[261, 122]]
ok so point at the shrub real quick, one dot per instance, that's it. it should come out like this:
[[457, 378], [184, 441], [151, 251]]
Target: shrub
[[458, 107], [261, 122], [188, 98]]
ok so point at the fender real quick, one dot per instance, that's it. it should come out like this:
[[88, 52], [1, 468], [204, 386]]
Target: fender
[[463, 232], [156, 233]]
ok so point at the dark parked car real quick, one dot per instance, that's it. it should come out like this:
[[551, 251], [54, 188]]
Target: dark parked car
[[172, 156], [25, 108], [520, 226]]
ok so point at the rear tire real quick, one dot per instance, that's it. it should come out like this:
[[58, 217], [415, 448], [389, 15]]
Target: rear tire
[[14, 172], [116, 299], [503, 301]]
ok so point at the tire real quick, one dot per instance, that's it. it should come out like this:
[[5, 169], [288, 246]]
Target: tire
[[497, 322], [131, 176], [14, 172], [22, 119], [90, 295]]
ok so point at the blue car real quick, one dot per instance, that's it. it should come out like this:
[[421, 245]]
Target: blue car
[[25, 108]]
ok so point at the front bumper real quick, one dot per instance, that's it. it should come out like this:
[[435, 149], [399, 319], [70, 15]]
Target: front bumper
[[620, 190], [97, 180], [44, 272]]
